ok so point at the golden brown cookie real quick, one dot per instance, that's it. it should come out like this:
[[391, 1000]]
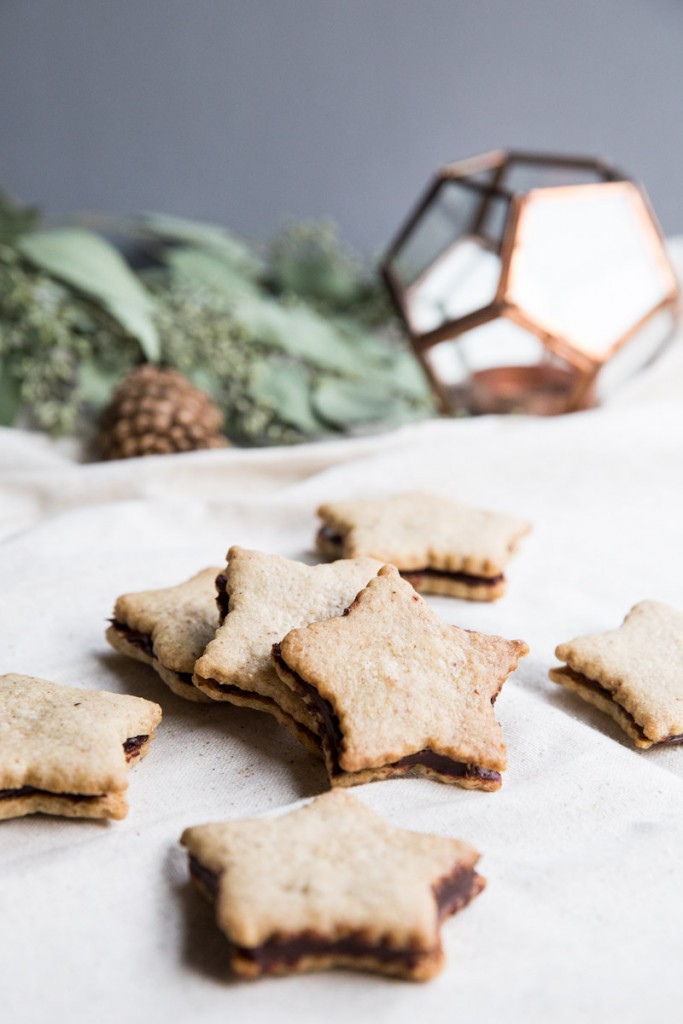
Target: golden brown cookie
[[66, 751], [438, 545], [267, 596], [633, 673], [331, 885], [168, 629], [395, 690]]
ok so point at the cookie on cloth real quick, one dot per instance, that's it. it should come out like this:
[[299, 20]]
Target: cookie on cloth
[[438, 545], [396, 691], [265, 596], [66, 751], [168, 629], [633, 673], [331, 885]]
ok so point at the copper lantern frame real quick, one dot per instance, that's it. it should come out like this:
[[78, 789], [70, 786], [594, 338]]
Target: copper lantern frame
[[583, 365]]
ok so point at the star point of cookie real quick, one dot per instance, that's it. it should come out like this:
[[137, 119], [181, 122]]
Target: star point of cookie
[[395, 690], [168, 629], [438, 545], [633, 673], [66, 751], [264, 597], [331, 885]]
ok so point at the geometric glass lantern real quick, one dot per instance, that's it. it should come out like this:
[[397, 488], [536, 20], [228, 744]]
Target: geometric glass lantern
[[531, 283]]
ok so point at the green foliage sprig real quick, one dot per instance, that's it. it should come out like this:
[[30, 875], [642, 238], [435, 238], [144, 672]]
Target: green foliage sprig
[[296, 342]]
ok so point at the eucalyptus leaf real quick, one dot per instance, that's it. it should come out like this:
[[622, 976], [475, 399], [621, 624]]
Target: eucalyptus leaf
[[204, 379], [225, 246], [319, 279], [405, 375], [287, 385], [92, 266], [10, 397], [344, 403], [386, 361], [200, 267], [310, 261], [299, 331], [95, 383]]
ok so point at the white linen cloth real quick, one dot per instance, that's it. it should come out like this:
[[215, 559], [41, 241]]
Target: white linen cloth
[[583, 845]]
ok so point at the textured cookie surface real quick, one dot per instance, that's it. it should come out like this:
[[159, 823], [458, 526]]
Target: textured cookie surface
[[268, 596], [633, 673], [168, 628], [68, 744], [415, 531], [389, 681], [331, 884]]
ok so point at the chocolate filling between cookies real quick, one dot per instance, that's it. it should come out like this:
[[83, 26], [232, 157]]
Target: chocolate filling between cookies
[[329, 536], [269, 702], [143, 641], [282, 950], [11, 794], [131, 748], [222, 597], [333, 739], [592, 684]]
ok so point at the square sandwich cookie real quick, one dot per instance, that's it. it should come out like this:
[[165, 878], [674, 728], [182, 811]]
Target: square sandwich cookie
[[67, 751], [331, 885], [264, 597], [438, 545], [168, 629], [395, 690], [633, 673]]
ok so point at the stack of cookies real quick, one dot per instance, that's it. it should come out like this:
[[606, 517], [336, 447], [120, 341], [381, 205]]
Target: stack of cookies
[[356, 665], [350, 658], [347, 655]]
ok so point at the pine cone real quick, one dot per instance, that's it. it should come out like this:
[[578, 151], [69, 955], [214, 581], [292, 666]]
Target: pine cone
[[155, 411]]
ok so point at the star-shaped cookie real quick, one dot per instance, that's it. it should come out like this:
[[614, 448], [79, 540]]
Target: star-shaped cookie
[[267, 596], [395, 690], [66, 751], [168, 629], [331, 885], [634, 673], [438, 545]]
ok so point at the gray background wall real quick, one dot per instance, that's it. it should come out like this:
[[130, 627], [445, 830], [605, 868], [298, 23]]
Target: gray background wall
[[244, 111]]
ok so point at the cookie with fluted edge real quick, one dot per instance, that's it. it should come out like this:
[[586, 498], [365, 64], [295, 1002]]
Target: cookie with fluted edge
[[66, 751], [265, 597], [331, 885], [396, 691], [439, 545], [168, 629], [633, 673]]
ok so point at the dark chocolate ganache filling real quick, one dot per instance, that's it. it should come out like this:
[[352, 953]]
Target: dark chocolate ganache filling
[[131, 748], [143, 641], [10, 794], [281, 950], [592, 684], [331, 731], [413, 575], [329, 535], [222, 597], [456, 890], [134, 745], [204, 875]]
